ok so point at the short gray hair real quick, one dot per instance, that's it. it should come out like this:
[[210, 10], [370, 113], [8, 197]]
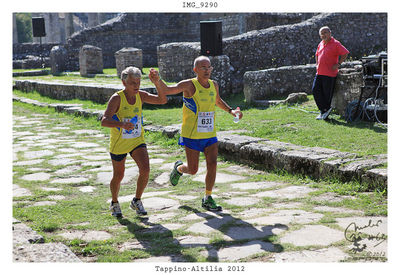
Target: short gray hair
[[200, 58], [131, 71]]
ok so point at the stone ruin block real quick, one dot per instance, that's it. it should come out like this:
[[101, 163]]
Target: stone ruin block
[[347, 88], [175, 63], [58, 59], [90, 60], [175, 60], [278, 82], [221, 73], [128, 57]]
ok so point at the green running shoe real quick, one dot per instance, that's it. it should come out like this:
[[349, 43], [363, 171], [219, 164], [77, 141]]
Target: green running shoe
[[175, 174], [210, 204]]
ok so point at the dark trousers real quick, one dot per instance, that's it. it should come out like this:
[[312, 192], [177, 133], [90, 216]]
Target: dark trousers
[[322, 90]]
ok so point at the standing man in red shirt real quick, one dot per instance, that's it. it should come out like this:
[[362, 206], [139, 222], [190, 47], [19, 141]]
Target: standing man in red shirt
[[329, 55]]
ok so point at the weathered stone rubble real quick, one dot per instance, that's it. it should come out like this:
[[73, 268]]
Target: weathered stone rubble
[[28, 246]]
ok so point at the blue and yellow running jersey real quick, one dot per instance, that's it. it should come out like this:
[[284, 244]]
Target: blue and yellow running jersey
[[121, 140], [199, 112]]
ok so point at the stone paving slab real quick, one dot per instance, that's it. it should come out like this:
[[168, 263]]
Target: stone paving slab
[[209, 226], [313, 235], [236, 252], [44, 253], [71, 180], [38, 154], [86, 235], [160, 259], [23, 234], [44, 203], [290, 192], [20, 192], [158, 203], [37, 177], [252, 232], [242, 201], [287, 217], [193, 241], [220, 178], [87, 189], [324, 255], [130, 174], [255, 185]]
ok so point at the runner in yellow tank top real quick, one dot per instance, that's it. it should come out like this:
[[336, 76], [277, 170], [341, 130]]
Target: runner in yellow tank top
[[124, 116], [199, 112], [123, 141], [200, 95]]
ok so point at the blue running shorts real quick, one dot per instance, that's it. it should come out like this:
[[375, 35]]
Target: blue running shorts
[[197, 144]]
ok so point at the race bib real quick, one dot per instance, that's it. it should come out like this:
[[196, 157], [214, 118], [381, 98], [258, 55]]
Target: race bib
[[205, 122], [137, 128]]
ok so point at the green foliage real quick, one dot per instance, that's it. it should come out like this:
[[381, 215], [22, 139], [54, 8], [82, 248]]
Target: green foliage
[[24, 27]]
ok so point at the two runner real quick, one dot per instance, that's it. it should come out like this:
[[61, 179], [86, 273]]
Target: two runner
[[124, 116]]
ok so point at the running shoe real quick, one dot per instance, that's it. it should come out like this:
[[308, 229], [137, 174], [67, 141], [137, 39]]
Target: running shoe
[[326, 114], [175, 174], [210, 204], [115, 209], [138, 206], [319, 117]]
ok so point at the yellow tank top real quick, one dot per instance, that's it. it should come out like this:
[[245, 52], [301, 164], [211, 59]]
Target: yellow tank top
[[199, 112], [121, 140]]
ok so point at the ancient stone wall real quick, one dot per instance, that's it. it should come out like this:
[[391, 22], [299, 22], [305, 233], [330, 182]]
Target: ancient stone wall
[[139, 30], [360, 33], [278, 82], [21, 50], [148, 30], [295, 44]]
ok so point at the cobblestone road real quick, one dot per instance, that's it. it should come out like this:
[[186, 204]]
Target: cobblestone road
[[306, 225]]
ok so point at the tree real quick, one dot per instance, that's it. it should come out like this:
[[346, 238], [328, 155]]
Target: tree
[[24, 27]]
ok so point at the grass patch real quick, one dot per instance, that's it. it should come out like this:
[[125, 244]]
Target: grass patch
[[109, 76]]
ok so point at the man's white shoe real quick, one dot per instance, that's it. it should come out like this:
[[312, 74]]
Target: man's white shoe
[[326, 114], [319, 117]]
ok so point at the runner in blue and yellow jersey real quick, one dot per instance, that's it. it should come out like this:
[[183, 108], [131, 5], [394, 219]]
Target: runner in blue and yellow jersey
[[124, 116], [198, 134]]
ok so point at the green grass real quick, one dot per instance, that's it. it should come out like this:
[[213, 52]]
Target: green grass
[[109, 76]]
